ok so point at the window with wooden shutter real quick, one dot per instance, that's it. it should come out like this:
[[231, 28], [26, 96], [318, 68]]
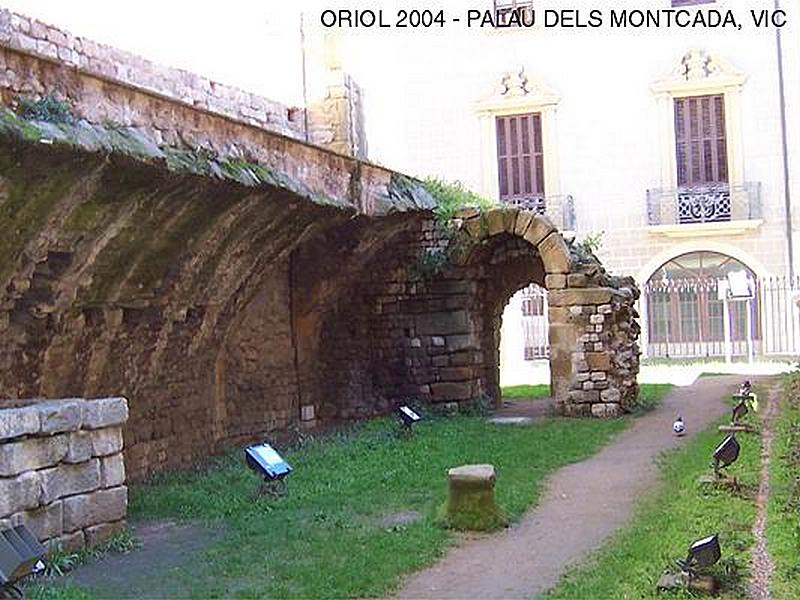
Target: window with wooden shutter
[[520, 160], [700, 145]]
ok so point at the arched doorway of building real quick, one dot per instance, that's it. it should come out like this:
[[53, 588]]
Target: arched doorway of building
[[694, 311]]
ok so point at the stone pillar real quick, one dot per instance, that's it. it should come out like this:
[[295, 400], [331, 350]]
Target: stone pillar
[[335, 106], [62, 471], [470, 504]]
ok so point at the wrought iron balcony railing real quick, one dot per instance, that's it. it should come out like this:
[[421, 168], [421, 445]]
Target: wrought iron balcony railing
[[559, 209], [715, 203]]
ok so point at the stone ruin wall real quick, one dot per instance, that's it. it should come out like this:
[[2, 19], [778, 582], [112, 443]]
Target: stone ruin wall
[[62, 471], [402, 337], [107, 86], [227, 299]]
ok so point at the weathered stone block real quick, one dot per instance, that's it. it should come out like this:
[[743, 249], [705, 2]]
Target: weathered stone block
[[106, 441], [97, 534], [577, 280], [555, 281], [475, 227], [112, 470], [79, 447], [45, 522], [610, 395], [522, 223], [31, 453], [555, 254], [104, 412], [470, 502], [16, 422], [451, 391], [443, 323], [68, 542], [457, 343], [495, 221], [539, 228], [66, 480], [605, 410], [598, 376], [56, 416], [20, 493], [102, 506], [580, 296], [598, 361]]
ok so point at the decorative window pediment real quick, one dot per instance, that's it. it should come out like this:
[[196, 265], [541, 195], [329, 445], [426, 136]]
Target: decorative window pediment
[[698, 71], [516, 91]]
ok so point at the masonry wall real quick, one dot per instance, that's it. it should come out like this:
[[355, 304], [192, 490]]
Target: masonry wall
[[62, 471]]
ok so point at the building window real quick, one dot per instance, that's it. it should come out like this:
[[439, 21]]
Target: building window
[[701, 158], [520, 160], [700, 148]]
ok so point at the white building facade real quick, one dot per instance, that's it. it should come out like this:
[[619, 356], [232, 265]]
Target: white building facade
[[679, 147]]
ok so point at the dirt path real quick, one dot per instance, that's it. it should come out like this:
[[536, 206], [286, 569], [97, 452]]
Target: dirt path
[[584, 504], [762, 563]]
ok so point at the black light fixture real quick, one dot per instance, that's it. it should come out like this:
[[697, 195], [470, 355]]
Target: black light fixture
[[740, 410], [21, 555], [265, 461], [702, 553], [407, 417], [744, 396], [726, 453]]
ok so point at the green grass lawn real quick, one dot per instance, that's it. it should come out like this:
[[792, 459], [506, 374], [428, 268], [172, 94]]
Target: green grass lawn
[[332, 536], [526, 392], [783, 510], [679, 512], [327, 537]]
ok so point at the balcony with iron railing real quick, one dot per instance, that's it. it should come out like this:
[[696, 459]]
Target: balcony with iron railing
[[559, 209], [706, 209]]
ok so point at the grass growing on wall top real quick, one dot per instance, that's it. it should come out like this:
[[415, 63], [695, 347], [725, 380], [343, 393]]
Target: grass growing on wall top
[[451, 196]]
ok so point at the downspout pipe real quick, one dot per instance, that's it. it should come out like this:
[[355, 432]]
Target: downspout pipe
[[787, 193]]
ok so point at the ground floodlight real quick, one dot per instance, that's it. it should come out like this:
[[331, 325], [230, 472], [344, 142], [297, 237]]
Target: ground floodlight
[[264, 460], [726, 453], [746, 388], [21, 555], [702, 554], [740, 410], [408, 417]]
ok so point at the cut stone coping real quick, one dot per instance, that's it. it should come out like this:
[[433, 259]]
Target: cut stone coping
[[47, 417], [511, 420], [472, 474]]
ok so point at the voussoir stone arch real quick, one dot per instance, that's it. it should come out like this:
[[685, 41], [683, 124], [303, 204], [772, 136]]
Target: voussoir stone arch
[[592, 318]]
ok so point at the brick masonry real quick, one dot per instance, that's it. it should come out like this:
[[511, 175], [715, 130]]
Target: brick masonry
[[62, 471]]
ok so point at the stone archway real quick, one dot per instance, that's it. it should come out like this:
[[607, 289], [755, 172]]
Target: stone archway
[[394, 335], [592, 327]]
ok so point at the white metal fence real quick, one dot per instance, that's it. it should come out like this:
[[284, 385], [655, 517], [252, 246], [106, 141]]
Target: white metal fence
[[695, 318]]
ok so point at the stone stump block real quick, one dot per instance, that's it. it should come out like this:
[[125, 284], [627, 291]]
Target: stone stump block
[[470, 503]]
